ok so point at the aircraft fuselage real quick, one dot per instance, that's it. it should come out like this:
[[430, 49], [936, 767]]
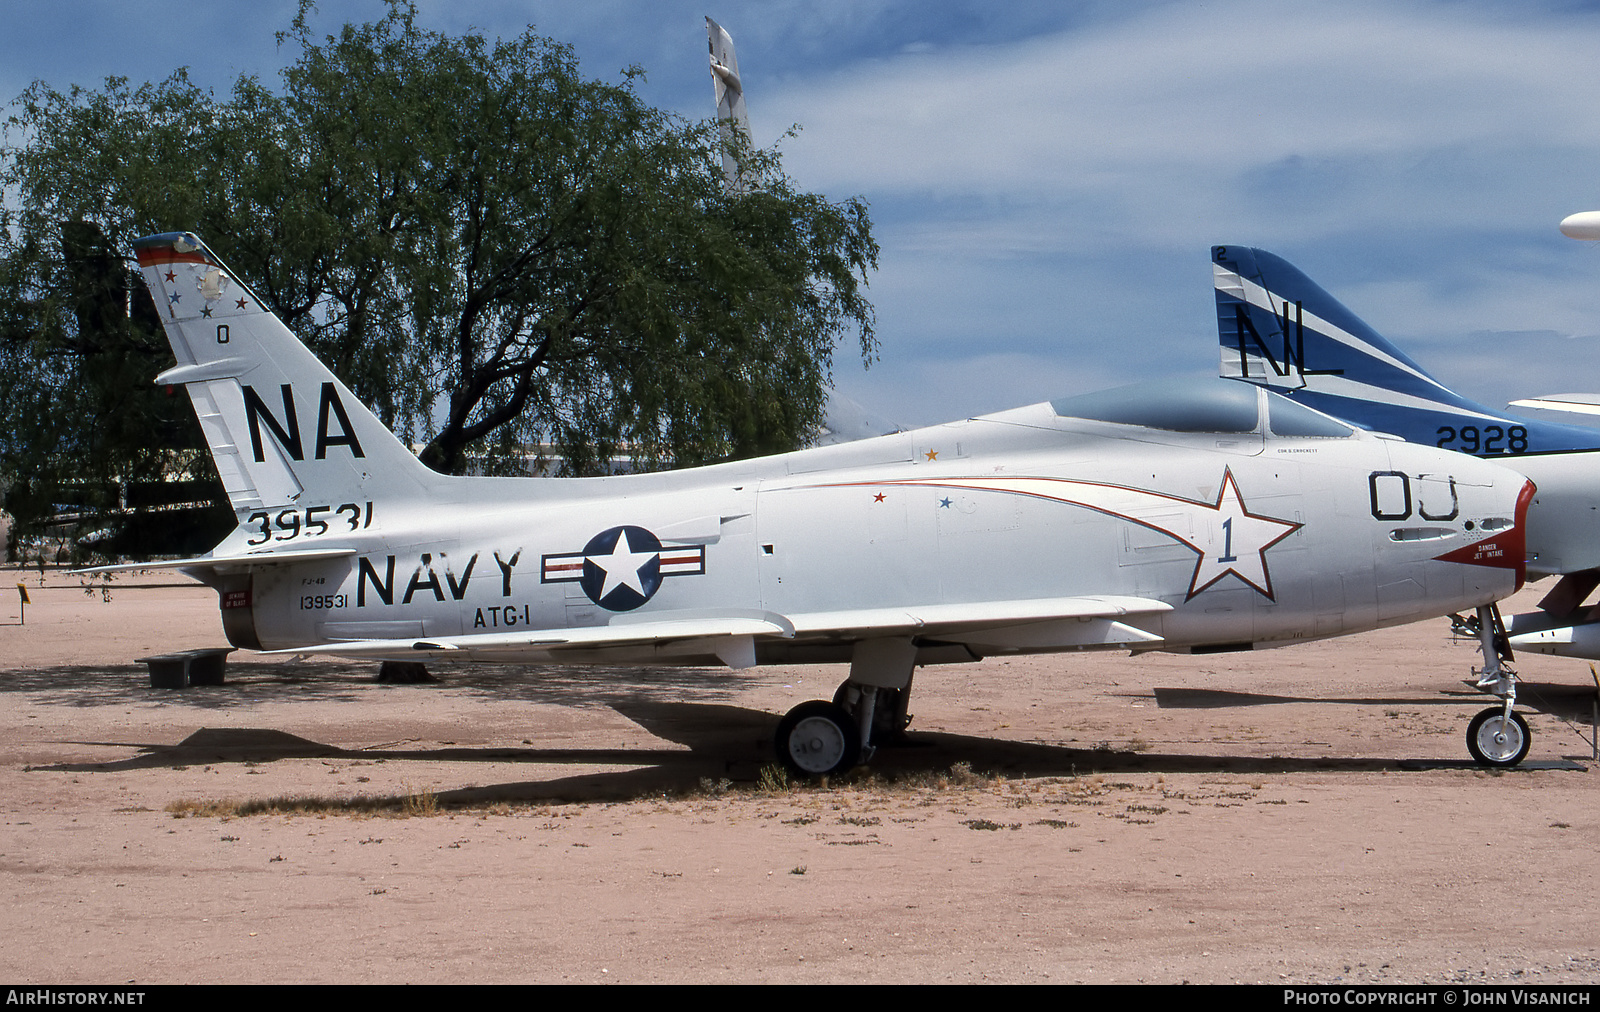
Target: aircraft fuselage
[[1250, 539]]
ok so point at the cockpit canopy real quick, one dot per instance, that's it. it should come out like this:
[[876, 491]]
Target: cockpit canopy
[[1200, 405]]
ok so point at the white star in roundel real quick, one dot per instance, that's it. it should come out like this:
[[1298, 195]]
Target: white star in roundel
[[1235, 541], [622, 567]]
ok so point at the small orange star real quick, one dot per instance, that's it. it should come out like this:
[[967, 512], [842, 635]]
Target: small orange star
[[933, 454]]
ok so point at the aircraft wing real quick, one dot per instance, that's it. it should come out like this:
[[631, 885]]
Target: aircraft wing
[[989, 627], [985, 627], [936, 618], [1582, 404]]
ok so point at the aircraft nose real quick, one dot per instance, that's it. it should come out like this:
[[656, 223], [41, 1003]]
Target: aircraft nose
[[1505, 548]]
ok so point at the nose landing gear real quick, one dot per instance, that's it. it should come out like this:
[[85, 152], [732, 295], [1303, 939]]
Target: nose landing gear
[[1498, 737]]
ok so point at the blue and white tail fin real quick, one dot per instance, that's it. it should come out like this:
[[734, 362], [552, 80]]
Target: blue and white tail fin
[[283, 430], [1278, 328]]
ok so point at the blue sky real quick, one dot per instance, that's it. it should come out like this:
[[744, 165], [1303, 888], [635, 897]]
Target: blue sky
[[1047, 179]]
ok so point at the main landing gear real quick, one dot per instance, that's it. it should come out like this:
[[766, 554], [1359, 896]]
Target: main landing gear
[[818, 739], [823, 738], [1498, 737]]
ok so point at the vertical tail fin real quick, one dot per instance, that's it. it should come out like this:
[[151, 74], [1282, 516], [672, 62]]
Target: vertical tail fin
[[1278, 328], [731, 115], [281, 427]]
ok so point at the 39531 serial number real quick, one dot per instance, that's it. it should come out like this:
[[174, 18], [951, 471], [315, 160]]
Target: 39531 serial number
[[308, 522], [321, 602]]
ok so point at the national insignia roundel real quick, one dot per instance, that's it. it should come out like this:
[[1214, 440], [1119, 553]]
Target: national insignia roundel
[[621, 568]]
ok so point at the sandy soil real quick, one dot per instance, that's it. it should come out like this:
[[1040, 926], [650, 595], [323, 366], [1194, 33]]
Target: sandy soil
[[1302, 815]]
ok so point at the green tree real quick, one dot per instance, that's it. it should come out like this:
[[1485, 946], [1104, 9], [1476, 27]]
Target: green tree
[[489, 248], [86, 434]]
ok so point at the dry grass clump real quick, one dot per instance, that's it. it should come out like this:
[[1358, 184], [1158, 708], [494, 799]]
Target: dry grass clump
[[856, 787], [413, 804]]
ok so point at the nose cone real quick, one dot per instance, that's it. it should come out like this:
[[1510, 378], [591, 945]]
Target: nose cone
[[1583, 225], [1505, 548]]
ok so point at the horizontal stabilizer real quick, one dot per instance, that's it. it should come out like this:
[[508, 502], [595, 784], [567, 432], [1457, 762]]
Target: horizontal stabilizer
[[229, 561]]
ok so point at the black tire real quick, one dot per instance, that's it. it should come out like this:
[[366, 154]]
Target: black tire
[[818, 739], [1495, 742]]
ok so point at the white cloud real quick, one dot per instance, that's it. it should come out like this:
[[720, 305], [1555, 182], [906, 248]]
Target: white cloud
[[1047, 186], [1217, 87]]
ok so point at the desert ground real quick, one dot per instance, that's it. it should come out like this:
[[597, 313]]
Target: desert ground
[[1298, 815]]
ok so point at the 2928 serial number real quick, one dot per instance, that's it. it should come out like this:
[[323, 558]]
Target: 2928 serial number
[[1490, 439]]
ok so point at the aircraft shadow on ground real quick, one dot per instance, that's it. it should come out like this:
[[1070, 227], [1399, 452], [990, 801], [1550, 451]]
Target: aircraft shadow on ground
[[1568, 702], [724, 742], [251, 682]]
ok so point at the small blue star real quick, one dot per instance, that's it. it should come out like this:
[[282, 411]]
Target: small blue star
[[173, 298], [205, 311], [944, 504]]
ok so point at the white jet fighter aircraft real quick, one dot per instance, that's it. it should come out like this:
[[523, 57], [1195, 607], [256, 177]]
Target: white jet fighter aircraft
[[1188, 517]]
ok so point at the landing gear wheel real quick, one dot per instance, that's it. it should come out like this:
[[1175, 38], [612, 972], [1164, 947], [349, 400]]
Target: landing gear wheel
[[1497, 742], [818, 739]]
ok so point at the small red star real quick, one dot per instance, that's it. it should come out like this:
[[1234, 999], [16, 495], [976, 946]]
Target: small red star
[[241, 303], [878, 497], [171, 276]]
